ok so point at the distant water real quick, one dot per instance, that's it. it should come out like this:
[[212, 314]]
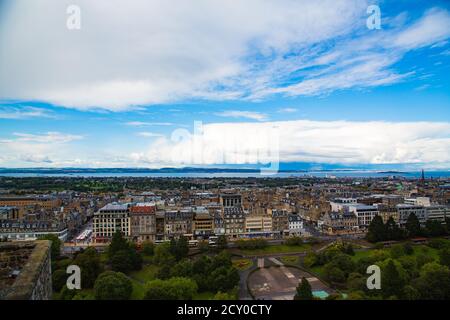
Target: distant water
[[318, 174]]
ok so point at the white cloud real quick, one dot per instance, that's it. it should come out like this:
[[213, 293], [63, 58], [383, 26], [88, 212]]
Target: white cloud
[[140, 52], [345, 142], [24, 112], [242, 114], [36, 148], [145, 52], [49, 137], [312, 141], [287, 110], [147, 134], [432, 28], [147, 124]]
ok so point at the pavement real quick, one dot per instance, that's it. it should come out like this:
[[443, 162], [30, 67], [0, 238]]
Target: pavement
[[275, 281]]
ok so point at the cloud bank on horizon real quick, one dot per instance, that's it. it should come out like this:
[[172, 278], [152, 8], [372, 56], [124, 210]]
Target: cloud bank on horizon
[[131, 56]]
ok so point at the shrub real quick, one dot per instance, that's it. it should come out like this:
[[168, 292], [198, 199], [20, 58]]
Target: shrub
[[112, 285]]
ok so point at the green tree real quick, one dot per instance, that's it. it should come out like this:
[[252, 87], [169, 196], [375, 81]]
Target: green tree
[[438, 243], [163, 256], [410, 293], [59, 279], [444, 256], [344, 262], [356, 295], [223, 279], [393, 231], [83, 296], [223, 259], [294, 241], [112, 285], [121, 261], [356, 282], [434, 284], [222, 243], [377, 230], [304, 291], [397, 251], [407, 247], [334, 274], [224, 296], [434, 228], [391, 282], [148, 248], [179, 248], [348, 249], [118, 243], [89, 263], [67, 294], [135, 257], [423, 258], [412, 226], [183, 268], [178, 288]]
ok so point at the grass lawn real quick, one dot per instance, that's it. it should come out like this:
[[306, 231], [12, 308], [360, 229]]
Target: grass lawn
[[282, 248], [242, 264], [289, 259], [147, 273], [418, 249]]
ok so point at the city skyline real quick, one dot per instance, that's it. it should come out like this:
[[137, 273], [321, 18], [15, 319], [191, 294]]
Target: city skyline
[[114, 92]]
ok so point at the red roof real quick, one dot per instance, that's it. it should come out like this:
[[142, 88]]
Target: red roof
[[143, 209]]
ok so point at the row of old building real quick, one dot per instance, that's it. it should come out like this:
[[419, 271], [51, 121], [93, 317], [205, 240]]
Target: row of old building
[[158, 220], [32, 216], [353, 215]]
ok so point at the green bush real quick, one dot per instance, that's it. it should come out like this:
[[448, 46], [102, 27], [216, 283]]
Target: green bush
[[251, 244], [112, 285], [172, 289]]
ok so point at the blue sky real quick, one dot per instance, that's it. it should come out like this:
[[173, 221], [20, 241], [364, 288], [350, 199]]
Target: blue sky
[[307, 81]]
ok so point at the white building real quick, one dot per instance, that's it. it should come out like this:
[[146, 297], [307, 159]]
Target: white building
[[111, 218], [404, 210], [419, 201], [363, 213], [438, 212], [295, 224], [339, 204]]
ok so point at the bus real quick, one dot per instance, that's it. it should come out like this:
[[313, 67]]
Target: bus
[[212, 241]]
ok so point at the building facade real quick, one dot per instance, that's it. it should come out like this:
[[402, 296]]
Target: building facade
[[143, 222], [112, 218]]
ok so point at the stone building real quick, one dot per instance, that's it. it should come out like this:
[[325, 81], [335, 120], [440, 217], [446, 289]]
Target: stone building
[[178, 223], [143, 222], [340, 223], [230, 200], [234, 221], [112, 218], [203, 223], [25, 270], [280, 221]]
